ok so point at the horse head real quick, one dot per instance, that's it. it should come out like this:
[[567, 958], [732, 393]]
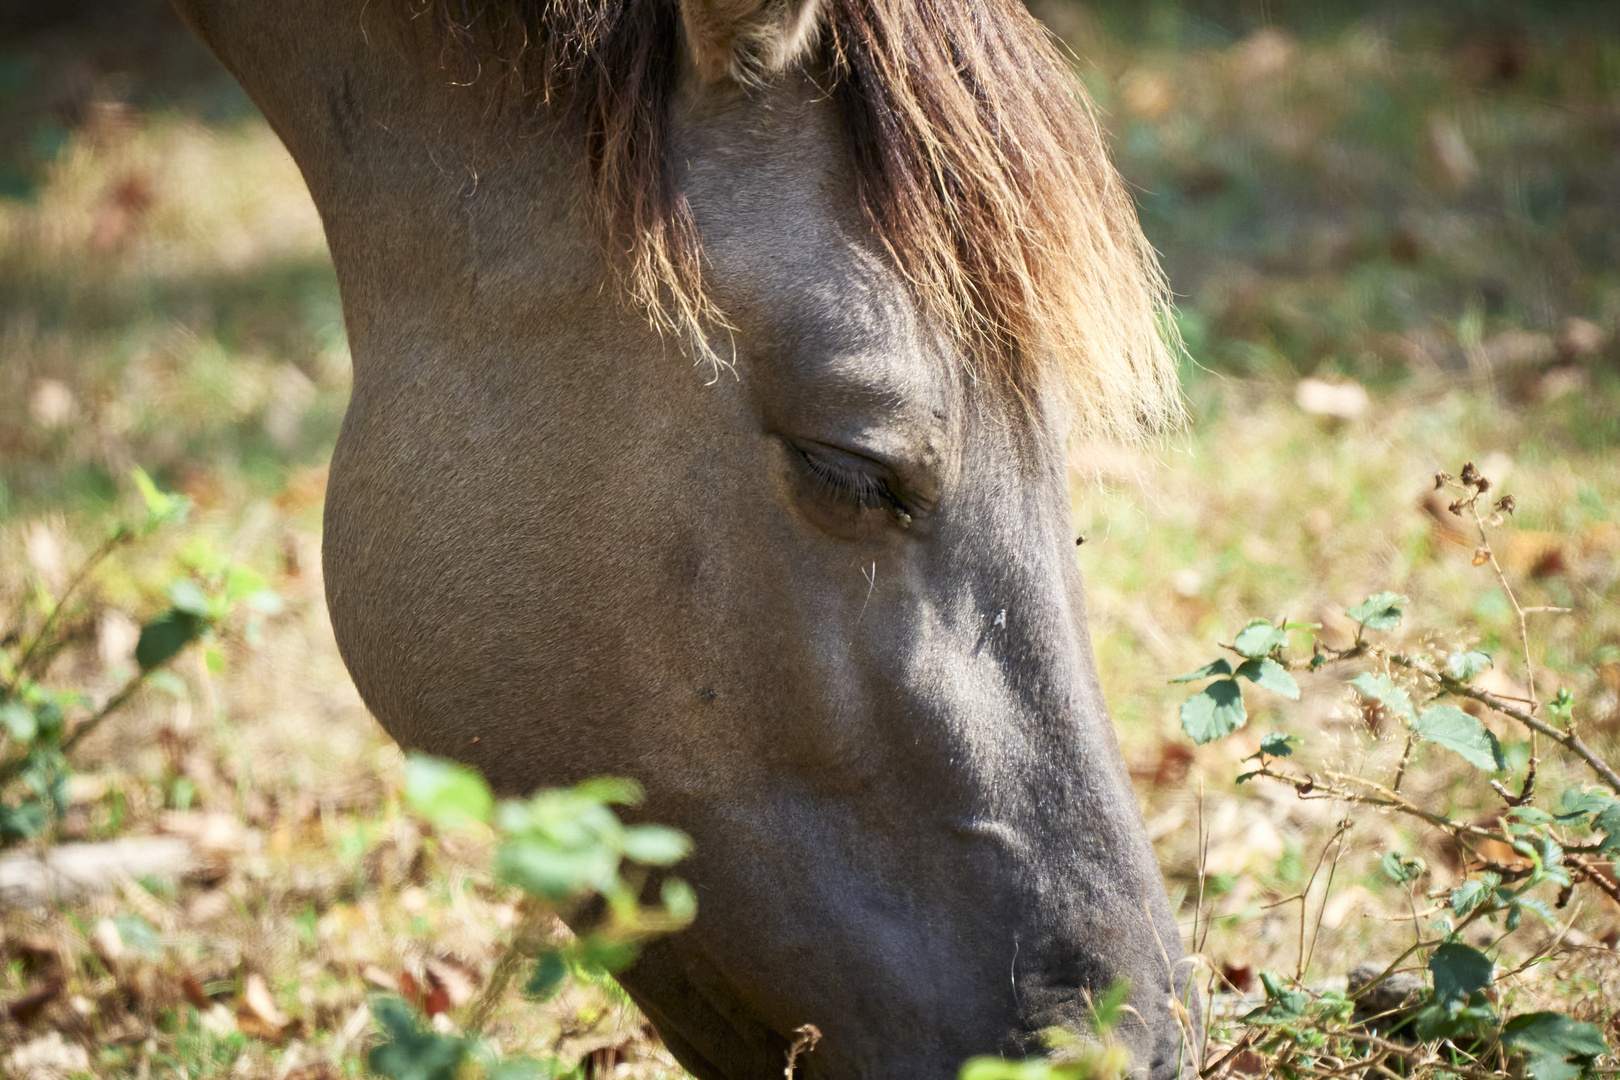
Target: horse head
[[714, 367]]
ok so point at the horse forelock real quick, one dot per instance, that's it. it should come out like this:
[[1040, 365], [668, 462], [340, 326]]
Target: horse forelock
[[979, 163]]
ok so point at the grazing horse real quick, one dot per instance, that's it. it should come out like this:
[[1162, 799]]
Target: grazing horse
[[715, 363]]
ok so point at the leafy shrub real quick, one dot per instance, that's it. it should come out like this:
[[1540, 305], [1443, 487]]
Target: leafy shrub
[[570, 854], [1460, 1021], [41, 724]]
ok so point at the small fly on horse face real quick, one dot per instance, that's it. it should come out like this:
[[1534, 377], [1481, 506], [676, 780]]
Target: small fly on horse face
[[817, 591]]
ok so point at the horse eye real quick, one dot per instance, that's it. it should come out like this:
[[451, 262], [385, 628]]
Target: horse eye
[[843, 478]]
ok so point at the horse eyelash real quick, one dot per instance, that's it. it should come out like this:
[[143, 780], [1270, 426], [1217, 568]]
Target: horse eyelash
[[861, 489]]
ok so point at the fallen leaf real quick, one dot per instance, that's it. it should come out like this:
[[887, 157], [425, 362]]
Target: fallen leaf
[[1263, 54], [256, 1011], [456, 981], [1580, 337], [1249, 1063], [108, 942], [1239, 976], [1345, 400], [48, 1057], [46, 990], [194, 993], [380, 978], [1146, 94]]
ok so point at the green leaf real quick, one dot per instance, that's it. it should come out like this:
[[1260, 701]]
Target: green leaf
[[1607, 820], [552, 874], [447, 794], [995, 1068], [1450, 727], [24, 821], [1470, 894], [1282, 1006], [186, 595], [242, 582], [1555, 1046], [1401, 868], [1392, 697], [547, 977], [522, 1068], [656, 845], [1213, 668], [410, 1052], [1258, 639], [1278, 745], [1214, 712], [679, 899], [1459, 972], [19, 721], [1108, 1008], [611, 789], [164, 637], [1540, 907], [1270, 675], [1575, 805], [1464, 666], [161, 507], [1381, 611], [139, 935], [1531, 815], [600, 954], [169, 683], [1471, 1021]]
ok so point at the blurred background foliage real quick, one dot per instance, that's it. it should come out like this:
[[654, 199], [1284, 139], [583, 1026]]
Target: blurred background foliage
[[1394, 234]]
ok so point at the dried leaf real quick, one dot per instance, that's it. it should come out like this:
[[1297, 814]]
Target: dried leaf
[[256, 1011]]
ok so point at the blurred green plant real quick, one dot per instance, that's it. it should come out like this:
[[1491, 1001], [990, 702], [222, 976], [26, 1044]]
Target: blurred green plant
[[40, 724], [573, 858], [1095, 1055], [1457, 1024]]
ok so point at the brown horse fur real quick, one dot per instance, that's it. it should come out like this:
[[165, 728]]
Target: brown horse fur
[[980, 166]]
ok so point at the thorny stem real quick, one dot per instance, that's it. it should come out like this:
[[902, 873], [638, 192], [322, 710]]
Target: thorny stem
[[10, 769], [1231, 1055], [533, 921], [1400, 770], [1592, 874], [1327, 891], [1567, 739], [1518, 609], [112, 543], [1305, 893], [1524, 637], [1308, 788]]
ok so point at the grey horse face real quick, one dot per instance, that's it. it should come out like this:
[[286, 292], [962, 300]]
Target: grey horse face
[[820, 599], [929, 844]]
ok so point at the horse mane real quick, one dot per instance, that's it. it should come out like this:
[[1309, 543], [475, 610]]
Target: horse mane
[[979, 163]]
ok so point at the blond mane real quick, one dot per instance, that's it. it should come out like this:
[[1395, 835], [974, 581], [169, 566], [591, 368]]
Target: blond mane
[[978, 159]]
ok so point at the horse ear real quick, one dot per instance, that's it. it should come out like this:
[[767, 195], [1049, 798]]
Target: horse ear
[[745, 40]]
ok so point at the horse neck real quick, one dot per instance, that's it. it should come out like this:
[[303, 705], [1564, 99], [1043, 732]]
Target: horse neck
[[429, 188]]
